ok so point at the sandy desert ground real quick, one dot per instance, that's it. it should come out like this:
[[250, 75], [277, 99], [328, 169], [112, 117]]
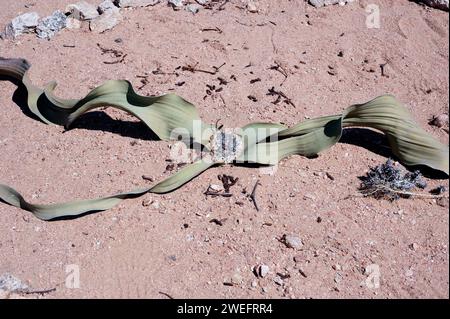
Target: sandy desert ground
[[166, 245]]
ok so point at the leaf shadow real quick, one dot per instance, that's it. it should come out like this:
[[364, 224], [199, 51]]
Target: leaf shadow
[[100, 121]]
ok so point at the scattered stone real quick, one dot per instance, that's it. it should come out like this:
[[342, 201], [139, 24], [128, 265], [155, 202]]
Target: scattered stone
[[409, 272], [10, 283], [262, 270], [438, 4], [155, 204], [439, 121], [202, 2], [337, 278], [337, 267], [176, 3], [251, 7], [24, 23], [216, 188], [106, 6], [254, 284], [193, 8], [146, 202], [106, 21], [321, 3], [413, 246], [135, 3], [82, 11], [292, 241], [49, 26], [278, 281], [236, 279]]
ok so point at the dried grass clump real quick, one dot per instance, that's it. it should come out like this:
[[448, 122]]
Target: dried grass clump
[[390, 181]]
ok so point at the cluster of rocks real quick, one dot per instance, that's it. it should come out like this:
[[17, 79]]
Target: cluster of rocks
[[100, 18], [438, 4], [321, 3]]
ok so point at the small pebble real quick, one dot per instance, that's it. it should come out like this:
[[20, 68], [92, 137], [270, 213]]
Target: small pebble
[[292, 241], [263, 270], [278, 281], [440, 120], [251, 7], [409, 272]]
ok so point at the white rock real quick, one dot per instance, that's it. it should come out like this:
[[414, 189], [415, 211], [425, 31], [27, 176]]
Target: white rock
[[215, 187], [193, 8], [251, 7], [26, 22], [72, 23], [106, 21], [263, 270], [82, 11], [292, 241], [176, 3], [107, 5], [135, 3]]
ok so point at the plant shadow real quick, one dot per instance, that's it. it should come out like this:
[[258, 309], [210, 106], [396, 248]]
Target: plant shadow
[[373, 141], [100, 121]]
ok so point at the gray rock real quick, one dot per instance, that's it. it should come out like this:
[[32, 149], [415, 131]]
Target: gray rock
[[135, 3], [82, 11], [262, 270], [292, 241], [24, 23], [106, 21], [440, 120], [10, 283], [51, 25], [176, 3], [438, 4], [107, 5], [321, 3], [202, 2], [193, 8]]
